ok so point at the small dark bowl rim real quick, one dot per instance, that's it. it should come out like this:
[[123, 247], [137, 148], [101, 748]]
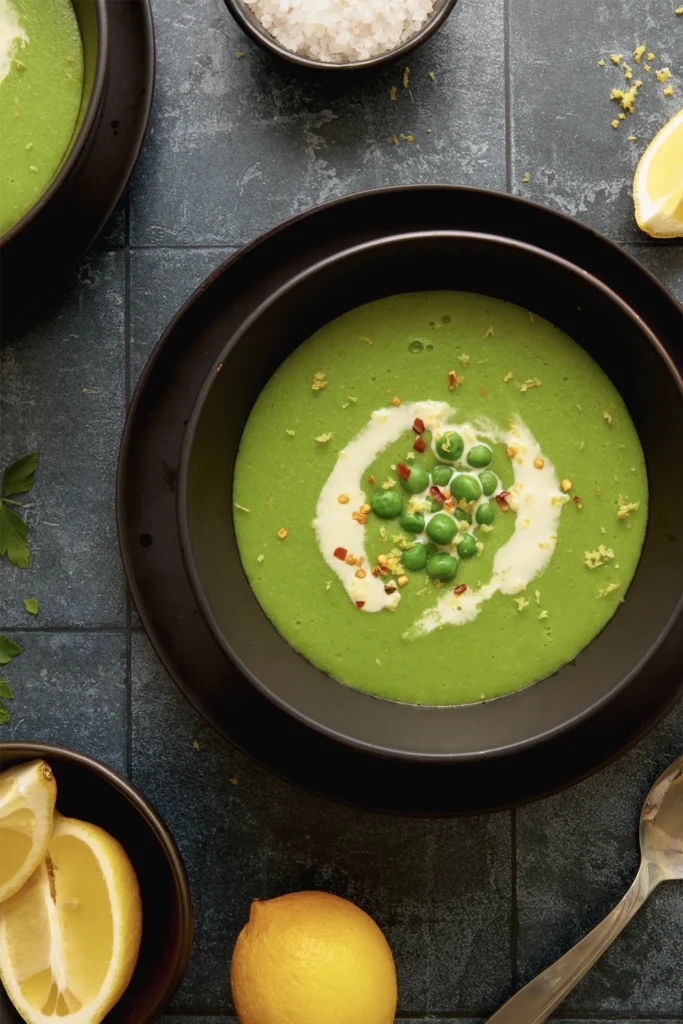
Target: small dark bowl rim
[[251, 25], [34, 750], [195, 579], [84, 133]]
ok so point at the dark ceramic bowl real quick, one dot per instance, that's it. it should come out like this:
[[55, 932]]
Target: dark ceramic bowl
[[92, 792], [577, 303], [248, 21], [92, 21]]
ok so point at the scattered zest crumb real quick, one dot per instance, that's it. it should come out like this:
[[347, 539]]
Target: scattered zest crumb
[[669, 91], [239, 54], [632, 138], [650, 55], [343, 499], [624, 509], [615, 58], [601, 555], [282, 533], [510, 452], [393, 92], [539, 463], [608, 418], [566, 485], [319, 381], [360, 573], [508, 376], [622, 117], [260, 558], [433, 76], [537, 595], [543, 614], [241, 508], [402, 580], [489, 332], [601, 63], [662, 74], [527, 385], [196, 744], [626, 99], [638, 53], [394, 139], [453, 380], [388, 484], [463, 359], [407, 138], [615, 123], [406, 77], [324, 438], [609, 589], [521, 603], [628, 73], [527, 176], [679, 10], [396, 401]]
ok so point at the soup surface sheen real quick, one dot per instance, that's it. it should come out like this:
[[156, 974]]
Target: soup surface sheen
[[540, 580], [41, 82]]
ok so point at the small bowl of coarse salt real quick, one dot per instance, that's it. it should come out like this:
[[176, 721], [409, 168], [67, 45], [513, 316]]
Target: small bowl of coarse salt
[[340, 34]]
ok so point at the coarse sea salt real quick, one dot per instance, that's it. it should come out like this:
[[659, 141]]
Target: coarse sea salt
[[337, 31]]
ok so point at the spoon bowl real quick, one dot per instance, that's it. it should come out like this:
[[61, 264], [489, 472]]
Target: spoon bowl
[[661, 825]]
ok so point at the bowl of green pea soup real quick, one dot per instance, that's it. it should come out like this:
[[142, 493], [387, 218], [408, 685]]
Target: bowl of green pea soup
[[427, 499], [53, 67]]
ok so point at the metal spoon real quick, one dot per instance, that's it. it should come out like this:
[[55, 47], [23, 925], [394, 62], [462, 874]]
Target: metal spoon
[[661, 848]]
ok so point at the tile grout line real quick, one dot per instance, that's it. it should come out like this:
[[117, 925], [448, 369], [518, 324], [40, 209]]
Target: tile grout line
[[508, 96], [126, 397]]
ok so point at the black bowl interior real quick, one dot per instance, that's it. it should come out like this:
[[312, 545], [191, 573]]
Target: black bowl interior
[[550, 287], [92, 792], [92, 22]]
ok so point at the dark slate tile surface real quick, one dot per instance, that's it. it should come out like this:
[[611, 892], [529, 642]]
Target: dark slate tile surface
[[577, 855], [160, 282], [665, 262], [561, 113], [63, 393], [439, 889], [239, 144], [70, 688]]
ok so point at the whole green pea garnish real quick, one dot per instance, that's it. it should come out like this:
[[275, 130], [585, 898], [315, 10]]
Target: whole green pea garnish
[[441, 475], [479, 455], [414, 558], [467, 487], [450, 446], [489, 482], [485, 513], [441, 528], [459, 513], [417, 480], [386, 504], [467, 546], [411, 522], [442, 566]]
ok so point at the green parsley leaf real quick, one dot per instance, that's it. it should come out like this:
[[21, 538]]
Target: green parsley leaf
[[18, 476], [5, 690], [8, 649], [4, 715], [31, 605], [13, 537]]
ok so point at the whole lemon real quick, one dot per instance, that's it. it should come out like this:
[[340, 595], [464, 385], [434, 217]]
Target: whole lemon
[[312, 958]]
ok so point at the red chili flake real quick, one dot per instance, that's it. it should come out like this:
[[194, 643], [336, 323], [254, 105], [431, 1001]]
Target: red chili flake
[[420, 444], [460, 589], [577, 501], [341, 554], [403, 470], [360, 604], [501, 499], [390, 589], [219, 368], [384, 569], [371, 480], [418, 425], [482, 392], [437, 494], [452, 379]]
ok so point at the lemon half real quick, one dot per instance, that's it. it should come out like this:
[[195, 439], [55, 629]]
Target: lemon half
[[69, 939], [312, 958], [27, 802], [658, 183]]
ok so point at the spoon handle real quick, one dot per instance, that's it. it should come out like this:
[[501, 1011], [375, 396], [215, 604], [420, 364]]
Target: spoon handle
[[536, 1001]]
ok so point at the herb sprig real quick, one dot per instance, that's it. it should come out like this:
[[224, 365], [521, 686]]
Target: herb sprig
[[9, 649], [16, 479]]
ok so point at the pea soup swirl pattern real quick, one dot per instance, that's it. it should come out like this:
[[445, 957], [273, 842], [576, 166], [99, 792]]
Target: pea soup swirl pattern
[[535, 497]]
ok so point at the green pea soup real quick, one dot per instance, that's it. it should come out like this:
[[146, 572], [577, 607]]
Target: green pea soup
[[41, 83], [511, 367]]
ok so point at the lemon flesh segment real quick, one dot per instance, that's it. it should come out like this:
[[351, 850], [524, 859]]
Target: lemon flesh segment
[[312, 958], [27, 802], [658, 183], [69, 939]]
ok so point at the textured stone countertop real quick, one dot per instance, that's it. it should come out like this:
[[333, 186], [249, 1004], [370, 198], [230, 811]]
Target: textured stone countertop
[[473, 907]]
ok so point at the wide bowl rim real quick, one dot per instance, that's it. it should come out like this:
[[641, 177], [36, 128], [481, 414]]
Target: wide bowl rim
[[250, 24], [84, 133], [31, 750], [195, 578]]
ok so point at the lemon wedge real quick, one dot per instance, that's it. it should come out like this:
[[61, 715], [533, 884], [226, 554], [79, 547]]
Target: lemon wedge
[[69, 939], [658, 183], [27, 802]]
